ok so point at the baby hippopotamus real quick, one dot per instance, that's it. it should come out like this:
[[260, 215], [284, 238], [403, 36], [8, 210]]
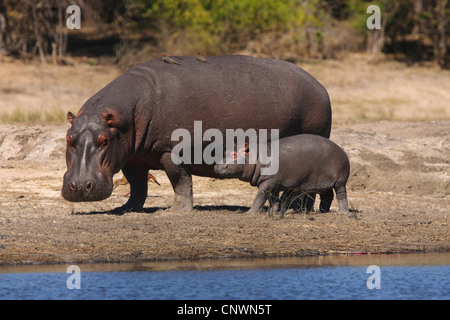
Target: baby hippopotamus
[[307, 164]]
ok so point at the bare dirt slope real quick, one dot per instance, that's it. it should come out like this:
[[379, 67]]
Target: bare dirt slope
[[399, 189]]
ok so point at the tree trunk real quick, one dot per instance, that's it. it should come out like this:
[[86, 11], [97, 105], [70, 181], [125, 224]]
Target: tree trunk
[[440, 49], [38, 35], [5, 38], [375, 42]]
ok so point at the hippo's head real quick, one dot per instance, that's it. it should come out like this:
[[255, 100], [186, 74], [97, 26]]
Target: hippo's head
[[94, 153], [234, 163]]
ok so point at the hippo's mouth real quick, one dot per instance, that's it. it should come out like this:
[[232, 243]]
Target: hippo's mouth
[[85, 191], [224, 170], [221, 169]]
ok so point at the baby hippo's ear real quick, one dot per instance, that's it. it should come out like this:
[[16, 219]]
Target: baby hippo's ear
[[244, 149]]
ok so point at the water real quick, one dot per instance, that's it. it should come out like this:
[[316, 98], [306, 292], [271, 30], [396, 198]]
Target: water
[[400, 277]]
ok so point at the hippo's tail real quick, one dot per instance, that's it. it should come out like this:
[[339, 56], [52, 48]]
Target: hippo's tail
[[327, 131]]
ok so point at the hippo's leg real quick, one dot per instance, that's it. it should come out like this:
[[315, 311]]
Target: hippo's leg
[[325, 201], [136, 174], [305, 202], [310, 199], [290, 199], [258, 203], [341, 196], [264, 191], [274, 201], [181, 179], [275, 205]]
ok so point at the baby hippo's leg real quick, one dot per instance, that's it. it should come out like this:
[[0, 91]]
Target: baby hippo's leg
[[261, 197], [274, 201], [341, 195], [258, 203], [274, 206], [290, 199]]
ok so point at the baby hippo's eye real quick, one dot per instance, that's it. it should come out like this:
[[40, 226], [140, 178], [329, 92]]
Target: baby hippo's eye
[[102, 141]]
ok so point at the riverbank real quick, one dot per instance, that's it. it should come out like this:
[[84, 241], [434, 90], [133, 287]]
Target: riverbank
[[399, 191]]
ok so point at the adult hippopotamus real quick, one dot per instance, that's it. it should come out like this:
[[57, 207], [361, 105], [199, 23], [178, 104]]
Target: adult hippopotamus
[[307, 164], [128, 124]]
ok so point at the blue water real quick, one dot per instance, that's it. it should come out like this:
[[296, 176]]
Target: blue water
[[327, 282]]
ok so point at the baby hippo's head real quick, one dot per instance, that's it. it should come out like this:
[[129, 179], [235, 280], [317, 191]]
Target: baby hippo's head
[[233, 163]]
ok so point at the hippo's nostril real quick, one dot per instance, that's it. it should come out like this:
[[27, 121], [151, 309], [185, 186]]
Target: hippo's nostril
[[89, 186], [71, 186]]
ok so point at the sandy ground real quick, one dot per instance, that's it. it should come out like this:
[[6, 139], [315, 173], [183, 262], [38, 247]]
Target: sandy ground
[[399, 187]]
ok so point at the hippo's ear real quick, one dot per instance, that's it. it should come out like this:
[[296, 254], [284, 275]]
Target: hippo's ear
[[244, 149], [70, 117], [112, 118]]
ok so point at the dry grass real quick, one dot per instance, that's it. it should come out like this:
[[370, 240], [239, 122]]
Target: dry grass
[[359, 90], [32, 93], [387, 90]]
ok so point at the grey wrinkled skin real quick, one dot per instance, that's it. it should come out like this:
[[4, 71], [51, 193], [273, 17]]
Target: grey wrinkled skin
[[307, 164], [137, 112]]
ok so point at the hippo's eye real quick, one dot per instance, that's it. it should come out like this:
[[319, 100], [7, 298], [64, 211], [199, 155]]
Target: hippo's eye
[[102, 141], [233, 154], [70, 142]]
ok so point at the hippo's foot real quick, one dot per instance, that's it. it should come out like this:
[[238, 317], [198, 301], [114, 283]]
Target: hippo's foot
[[343, 206], [127, 207], [343, 210], [261, 197], [252, 211], [341, 195], [137, 176], [183, 203], [180, 177]]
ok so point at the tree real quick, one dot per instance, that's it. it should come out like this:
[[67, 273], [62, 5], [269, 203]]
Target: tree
[[31, 27], [440, 37]]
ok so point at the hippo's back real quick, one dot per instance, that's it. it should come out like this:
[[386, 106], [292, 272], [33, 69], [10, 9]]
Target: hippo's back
[[313, 154], [235, 91]]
